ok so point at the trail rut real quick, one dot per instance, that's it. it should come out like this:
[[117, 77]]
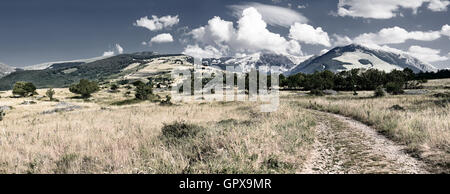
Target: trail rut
[[343, 145]]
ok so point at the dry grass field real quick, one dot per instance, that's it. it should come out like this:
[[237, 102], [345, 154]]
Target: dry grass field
[[98, 138], [210, 137]]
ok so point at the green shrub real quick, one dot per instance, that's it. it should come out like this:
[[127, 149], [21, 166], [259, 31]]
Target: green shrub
[[50, 92], [316, 92], [379, 92], [143, 91], [394, 88], [137, 83], [114, 87], [85, 88], [123, 82], [24, 89], [179, 130]]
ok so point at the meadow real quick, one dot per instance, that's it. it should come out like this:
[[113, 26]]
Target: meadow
[[221, 137], [206, 137]]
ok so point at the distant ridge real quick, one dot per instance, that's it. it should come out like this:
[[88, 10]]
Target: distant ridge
[[5, 69], [66, 73]]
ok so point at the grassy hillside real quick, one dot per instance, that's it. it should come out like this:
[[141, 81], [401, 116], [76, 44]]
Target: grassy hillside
[[66, 74]]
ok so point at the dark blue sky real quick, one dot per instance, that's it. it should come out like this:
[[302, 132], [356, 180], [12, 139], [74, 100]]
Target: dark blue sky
[[33, 32]]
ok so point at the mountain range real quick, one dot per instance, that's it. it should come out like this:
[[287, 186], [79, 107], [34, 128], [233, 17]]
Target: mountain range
[[257, 60], [337, 59], [62, 74]]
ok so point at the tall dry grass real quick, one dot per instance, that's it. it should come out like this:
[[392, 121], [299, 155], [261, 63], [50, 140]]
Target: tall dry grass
[[423, 125], [235, 138]]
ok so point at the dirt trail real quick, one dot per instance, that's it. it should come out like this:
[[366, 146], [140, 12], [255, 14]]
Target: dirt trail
[[344, 145]]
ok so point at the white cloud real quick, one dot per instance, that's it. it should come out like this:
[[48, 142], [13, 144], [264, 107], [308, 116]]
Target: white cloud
[[445, 30], [251, 35], [217, 31], [156, 23], [426, 54], [395, 35], [220, 29], [438, 5], [385, 9], [162, 38], [339, 40], [207, 52], [119, 49], [301, 6], [307, 34], [108, 53], [272, 15]]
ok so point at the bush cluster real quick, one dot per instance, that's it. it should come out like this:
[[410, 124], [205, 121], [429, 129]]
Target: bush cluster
[[85, 88], [24, 89]]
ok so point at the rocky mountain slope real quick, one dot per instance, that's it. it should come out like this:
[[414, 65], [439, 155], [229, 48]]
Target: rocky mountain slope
[[356, 56]]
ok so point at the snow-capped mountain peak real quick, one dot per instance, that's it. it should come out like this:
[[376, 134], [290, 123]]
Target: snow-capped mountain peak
[[257, 60], [363, 57]]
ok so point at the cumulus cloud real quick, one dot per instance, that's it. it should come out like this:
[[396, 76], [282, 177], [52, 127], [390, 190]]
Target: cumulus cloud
[[445, 30], [157, 23], [272, 15], [108, 53], [426, 54], [307, 34], [395, 35], [217, 31], [385, 9], [251, 35], [119, 49], [198, 52], [162, 38]]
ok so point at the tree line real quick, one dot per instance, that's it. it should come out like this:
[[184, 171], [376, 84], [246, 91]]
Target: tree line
[[357, 79]]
